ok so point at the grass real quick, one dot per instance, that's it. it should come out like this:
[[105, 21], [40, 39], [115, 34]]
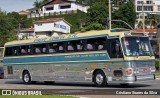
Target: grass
[[157, 73], [32, 96]]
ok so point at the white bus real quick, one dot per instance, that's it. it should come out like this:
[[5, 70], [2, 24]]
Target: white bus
[[97, 56]]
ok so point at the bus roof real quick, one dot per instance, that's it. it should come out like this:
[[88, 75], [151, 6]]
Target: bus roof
[[65, 37]]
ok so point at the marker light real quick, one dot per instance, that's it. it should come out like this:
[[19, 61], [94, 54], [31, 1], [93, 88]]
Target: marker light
[[129, 71]]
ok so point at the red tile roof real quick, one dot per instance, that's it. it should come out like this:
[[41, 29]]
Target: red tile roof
[[48, 20], [146, 30], [52, 20], [31, 29], [23, 12], [57, 2]]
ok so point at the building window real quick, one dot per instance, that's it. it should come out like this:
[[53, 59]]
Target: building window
[[56, 25], [158, 8], [49, 8], [63, 27], [149, 2], [139, 8], [65, 6], [30, 34], [139, 2], [39, 24], [148, 8]]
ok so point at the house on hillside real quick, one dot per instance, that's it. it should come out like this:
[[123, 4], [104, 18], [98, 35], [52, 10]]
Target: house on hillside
[[51, 27], [23, 12], [26, 33], [46, 28], [56, 7]]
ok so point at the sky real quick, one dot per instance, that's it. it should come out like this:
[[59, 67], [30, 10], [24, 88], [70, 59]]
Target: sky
[[16, 5]]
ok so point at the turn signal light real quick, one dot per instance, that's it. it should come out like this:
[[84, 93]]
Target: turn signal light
[[129, 71]]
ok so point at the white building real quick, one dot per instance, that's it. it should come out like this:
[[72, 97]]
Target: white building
[[46, 28], [146, 6], [26, 33], [50, 27], [149, 6], [56, 7]]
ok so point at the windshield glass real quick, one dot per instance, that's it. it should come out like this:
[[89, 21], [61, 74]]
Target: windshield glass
[[137, 46]]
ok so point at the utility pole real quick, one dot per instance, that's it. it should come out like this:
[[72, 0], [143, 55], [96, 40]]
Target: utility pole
[[143, 18], [110, 14]]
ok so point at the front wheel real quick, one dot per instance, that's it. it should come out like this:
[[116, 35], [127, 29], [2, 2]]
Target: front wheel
[[26, 77], [99, 79]]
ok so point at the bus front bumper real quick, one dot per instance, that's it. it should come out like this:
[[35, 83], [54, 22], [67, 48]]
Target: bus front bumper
[[134, 79]]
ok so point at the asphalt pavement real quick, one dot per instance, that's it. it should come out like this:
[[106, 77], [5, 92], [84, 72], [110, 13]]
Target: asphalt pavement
[[83, 89]]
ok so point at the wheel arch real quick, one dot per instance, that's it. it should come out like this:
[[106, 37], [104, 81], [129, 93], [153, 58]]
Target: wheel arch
[[96, 71], [25, 70]]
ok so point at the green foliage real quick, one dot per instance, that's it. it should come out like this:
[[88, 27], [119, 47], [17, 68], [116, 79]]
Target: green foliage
[[7, 29], [91, 2], [97, 13], [21, 20], [93, 26], [126, 12], [38, 4]]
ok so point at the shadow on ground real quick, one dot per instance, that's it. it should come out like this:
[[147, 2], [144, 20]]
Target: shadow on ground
[[81, 84]]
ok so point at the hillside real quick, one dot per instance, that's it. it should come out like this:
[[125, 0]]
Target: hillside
[[75, 19]]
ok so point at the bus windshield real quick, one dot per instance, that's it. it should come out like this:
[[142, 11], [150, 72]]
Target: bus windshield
[[137, 46]]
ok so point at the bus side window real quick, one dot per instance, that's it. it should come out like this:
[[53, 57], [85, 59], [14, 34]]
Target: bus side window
[[114, 48], [37, 50], [52, 48], [40, 48], [29, 49], [61, 47], [96, 44], [70, 47], [90, 47], [8, 51], [23, 50], [80, 45]]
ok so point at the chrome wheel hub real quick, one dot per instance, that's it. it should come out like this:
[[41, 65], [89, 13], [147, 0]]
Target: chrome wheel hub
[[99, 79], [26, 77]]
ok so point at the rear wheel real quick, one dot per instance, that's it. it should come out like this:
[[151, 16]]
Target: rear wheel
[[99, 79], [26, 77]]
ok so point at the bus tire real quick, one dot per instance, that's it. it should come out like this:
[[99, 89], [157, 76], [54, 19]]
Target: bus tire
[[26, 77], [99, 79]]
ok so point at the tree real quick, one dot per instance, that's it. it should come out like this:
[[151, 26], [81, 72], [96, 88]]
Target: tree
[[45, 1], [21, 20], [37, 4], [7, 30], [126, 12], [98, 13]]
